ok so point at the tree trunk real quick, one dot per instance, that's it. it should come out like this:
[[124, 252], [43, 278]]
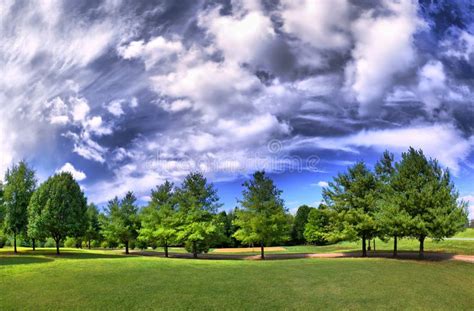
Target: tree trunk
[[89, 244], [126, 248], [368, 244], [374, 245], [166, 250], [14, 243], [364, 250], [262, 251], [395, 250], [422, 247], [195, 253], [34, 246], [57, 246]]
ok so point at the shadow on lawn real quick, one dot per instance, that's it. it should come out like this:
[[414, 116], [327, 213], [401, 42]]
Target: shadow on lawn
[[66, 254], [22, 260]]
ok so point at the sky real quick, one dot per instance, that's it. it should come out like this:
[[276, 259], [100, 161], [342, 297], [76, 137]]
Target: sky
[[127, 94]]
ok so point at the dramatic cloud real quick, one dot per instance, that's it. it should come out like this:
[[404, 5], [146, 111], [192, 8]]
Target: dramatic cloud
[[135, 94]]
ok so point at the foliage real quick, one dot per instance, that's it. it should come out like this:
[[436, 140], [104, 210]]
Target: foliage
[[426, 193], [57, 209], [122, 222], [299, 223], [197, 206], [93, 230], [20, 185], [263, 217], [353, 196], [159, 220]]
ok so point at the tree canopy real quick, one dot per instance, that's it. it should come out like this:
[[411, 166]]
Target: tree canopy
[[57, 209]]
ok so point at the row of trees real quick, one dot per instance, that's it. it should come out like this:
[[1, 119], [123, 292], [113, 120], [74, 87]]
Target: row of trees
[[412, 198]]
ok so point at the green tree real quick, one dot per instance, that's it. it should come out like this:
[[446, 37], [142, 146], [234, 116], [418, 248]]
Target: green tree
[[427, 194], [57, 209], [353, 196], [299, 224], [93, 225], [392, 220], [318, 228], [122, 222], [20, 185], [262, 218], [197, 206], [159, 220]]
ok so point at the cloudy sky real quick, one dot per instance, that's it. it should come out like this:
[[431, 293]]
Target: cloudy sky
[[126, 94]]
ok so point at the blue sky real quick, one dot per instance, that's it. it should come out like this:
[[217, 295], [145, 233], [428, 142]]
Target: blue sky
[[127, 94]]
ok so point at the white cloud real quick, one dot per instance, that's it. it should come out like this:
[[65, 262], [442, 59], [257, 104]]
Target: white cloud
[[432, 84], [115, 108], [383, 49], [322, 24], [80, 108], [322, 184], [440, 141], [69, 168]]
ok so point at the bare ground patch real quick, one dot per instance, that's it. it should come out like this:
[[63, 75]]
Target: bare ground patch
[[248, 249]]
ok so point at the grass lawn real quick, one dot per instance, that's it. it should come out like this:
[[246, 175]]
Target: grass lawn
[[108, 280]]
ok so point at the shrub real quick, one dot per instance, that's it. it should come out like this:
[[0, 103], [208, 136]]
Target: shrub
[[70, 242], [49, 243]]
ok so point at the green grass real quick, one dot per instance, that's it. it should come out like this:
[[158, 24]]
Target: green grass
[[468, 233], [107, 280]]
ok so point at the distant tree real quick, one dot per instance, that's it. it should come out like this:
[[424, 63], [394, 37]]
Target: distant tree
[[262, 218], [20, 185], [122, 222], [198, 203], [229, 228], [318, 229], [93, 225], [159, 220], [427, 194], [353, 196], [57, 209], [2, 207], [299, 223]]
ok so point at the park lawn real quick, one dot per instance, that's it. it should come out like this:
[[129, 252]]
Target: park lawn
[[463, 247], [106, 280], [468, 233]]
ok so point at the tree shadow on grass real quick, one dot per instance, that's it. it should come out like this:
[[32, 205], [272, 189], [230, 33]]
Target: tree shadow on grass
[[22, 260], [50, 254]]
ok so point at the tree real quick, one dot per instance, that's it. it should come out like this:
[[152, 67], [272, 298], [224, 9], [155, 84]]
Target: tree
[[197, 206], [159, 219], [318, 227], [93, 224], [392, 220], [122, 222], [262, 218], [57, 209], [427, 194], [301, 218], [353, 196], [20, 185]]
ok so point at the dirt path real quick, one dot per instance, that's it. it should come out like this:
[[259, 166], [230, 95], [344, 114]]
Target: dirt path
[[402, 255]]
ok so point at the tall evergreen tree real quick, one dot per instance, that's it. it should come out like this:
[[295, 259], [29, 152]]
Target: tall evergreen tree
[[262, 218], [57, 209], [353, 196], [427, 194], [159, 221], [299, 223], [20, 185], [197, 207], [122, 222], [392, 219]]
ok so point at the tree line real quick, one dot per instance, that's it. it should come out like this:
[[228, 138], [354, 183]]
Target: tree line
[[412, 198]]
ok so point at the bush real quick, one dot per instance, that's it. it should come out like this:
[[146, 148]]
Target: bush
[[49, 243], [95, 243], [70, 242], [3, 240]]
